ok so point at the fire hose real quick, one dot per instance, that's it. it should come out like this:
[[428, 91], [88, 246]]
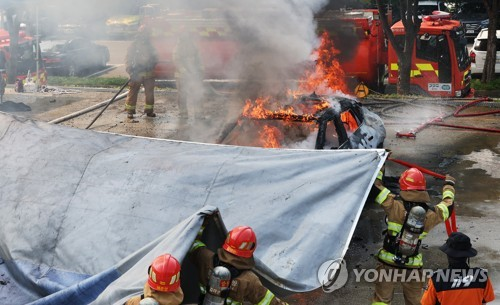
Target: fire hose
[[438, 121], [451, 222], [108, 103]]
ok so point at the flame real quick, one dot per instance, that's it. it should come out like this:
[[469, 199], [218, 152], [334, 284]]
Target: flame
[[325, 78], [259, 110], [271, 137], [328, 75]]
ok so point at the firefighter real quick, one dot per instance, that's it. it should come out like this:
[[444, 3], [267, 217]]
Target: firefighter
[[226, 277], [163, 284], [409, 219], [140, 63], [459, 284], [188, 76]]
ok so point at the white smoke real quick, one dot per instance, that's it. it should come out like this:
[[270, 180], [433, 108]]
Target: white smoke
[[273, 39]]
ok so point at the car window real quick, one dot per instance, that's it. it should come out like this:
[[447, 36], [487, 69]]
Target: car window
[[77, 44], [468, 9], [427, 47], [482, 45], [349, 121], [427, 9]]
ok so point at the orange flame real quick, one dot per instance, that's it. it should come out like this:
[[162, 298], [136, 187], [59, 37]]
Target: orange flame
[[328, 75], [271, 137], [326, 78]]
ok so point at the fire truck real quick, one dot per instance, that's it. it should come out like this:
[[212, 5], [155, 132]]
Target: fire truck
[[27, 57], [440, 62], [359, 37], [206, 29]]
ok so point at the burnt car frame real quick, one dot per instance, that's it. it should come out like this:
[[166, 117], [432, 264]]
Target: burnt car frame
[[73, 57], [343, 124]]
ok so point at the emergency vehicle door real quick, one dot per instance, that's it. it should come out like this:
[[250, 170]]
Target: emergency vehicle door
[[444, 60]]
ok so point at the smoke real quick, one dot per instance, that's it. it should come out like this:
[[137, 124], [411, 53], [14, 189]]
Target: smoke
[[273, 40]]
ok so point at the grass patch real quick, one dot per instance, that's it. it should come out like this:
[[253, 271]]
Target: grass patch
[[100, 82], [112, 82], [493, 85]]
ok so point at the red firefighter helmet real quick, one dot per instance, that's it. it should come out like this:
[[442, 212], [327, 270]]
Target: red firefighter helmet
[[164, 273], [241, 241], [412, 180]]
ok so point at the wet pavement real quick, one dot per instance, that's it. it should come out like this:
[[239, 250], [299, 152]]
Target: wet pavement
[[472, 157]]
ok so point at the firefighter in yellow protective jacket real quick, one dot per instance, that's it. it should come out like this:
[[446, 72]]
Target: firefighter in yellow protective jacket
[[409, 219], [140, 63], [236, 256], [163, 284]]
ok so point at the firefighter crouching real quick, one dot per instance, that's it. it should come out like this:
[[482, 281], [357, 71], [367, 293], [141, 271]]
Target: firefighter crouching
[[459, 284], [226, 276], [409, 218], [163, 285]]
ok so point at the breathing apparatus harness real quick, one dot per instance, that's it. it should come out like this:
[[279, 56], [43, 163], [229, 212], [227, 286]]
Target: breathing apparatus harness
[[219, 283], [406, 242]]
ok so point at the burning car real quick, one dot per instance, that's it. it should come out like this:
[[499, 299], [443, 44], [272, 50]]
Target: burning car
[[319, 121]]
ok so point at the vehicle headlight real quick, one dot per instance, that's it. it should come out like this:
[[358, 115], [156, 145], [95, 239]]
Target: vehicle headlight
[[458, 93]]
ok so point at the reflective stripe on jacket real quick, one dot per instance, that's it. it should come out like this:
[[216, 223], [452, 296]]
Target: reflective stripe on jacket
[[468, 287], [396, 215], [246, 287]]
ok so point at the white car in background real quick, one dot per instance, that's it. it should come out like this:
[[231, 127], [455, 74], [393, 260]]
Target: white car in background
[[478, 52]]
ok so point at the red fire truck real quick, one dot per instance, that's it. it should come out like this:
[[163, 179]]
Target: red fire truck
[[440, 62], [27, 57], [205, 28], [359, 37]]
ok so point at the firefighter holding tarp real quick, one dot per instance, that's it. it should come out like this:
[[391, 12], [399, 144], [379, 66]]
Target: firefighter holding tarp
[[409, 219], [226, 277], [163, 284]]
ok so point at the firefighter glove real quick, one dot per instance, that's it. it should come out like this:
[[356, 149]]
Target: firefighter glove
[[449, 180]]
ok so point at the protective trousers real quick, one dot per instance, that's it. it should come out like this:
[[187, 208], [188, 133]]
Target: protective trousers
[[411, 280], [182, 96], [134, 87]]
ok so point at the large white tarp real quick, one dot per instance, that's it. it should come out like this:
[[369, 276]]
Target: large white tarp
[[83, 213]]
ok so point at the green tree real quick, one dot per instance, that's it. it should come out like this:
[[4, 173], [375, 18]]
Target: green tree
[[492, 7], [408, 10]]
